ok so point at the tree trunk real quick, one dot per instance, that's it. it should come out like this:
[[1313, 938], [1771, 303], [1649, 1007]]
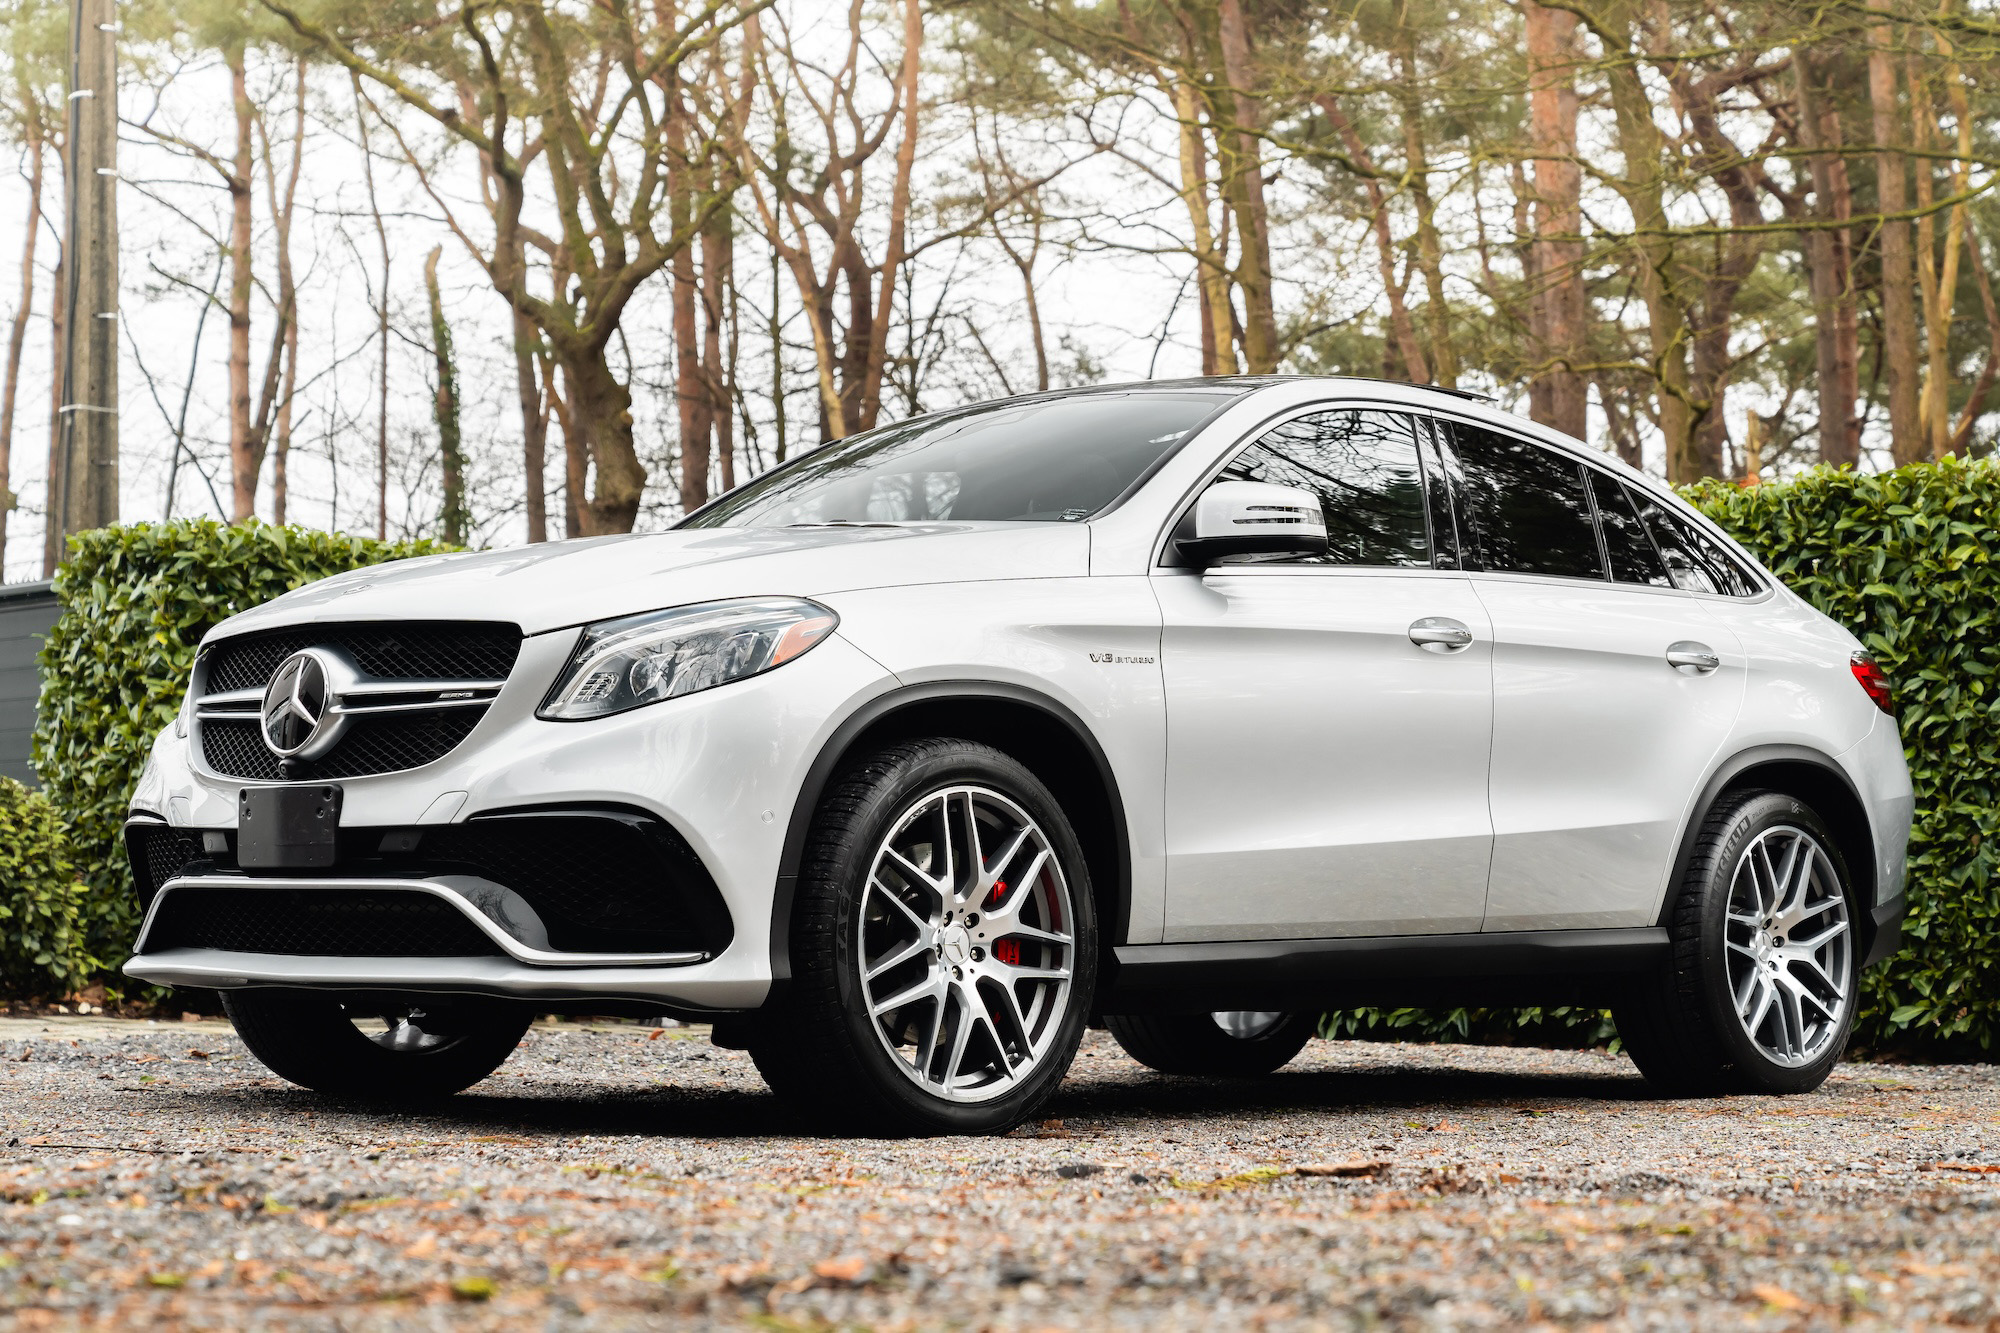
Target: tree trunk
[[1643, 187], [1938, 277], [690, 391], [1899, 311], [895, 251], [381, 324], [52, 528], [282, 213], [245, 459], [1830, 272], [456, 519], [1557, 396], [1402, 331], [1218, 351], [1430, 250], [17, 333], [1253, 267], [529, 379], [716, 247], [600, 409]]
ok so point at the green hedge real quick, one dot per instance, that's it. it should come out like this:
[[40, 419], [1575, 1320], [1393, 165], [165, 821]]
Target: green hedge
[[1910, 561], [41, 929], [135, 602]]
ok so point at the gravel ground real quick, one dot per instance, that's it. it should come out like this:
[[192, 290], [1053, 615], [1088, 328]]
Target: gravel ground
[[610, 1177]]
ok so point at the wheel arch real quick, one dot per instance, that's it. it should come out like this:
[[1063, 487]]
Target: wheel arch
[[1039, 731], [1810, 776]]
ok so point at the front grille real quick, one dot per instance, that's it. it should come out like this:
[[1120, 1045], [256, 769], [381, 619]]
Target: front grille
[[423, 650], [342, 923], [369, 746], [433, 651]]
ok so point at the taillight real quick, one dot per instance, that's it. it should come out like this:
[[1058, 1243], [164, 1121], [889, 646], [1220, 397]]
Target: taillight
[[1869, 676]]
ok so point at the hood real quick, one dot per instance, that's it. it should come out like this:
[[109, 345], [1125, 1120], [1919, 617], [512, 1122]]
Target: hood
[[560, 584]]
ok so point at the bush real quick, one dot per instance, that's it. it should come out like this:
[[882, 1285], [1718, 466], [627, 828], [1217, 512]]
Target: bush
[[1907, 560], [41, 934], [135, 602]]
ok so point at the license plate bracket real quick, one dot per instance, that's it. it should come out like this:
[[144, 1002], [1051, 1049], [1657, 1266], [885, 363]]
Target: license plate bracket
[[287, 828]]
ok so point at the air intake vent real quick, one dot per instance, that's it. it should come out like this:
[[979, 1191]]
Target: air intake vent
[[329, 923]]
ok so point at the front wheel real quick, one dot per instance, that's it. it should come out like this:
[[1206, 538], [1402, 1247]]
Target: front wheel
[[1759, 992], [944, 948], [1225, 1044], [395, 1050]]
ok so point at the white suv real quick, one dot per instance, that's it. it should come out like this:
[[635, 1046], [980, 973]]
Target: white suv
[[1190, 708]]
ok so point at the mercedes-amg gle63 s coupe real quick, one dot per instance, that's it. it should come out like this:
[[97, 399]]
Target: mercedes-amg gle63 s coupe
[[1187, 709]]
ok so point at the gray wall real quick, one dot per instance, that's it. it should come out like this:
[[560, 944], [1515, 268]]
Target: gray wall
[[27, 610]]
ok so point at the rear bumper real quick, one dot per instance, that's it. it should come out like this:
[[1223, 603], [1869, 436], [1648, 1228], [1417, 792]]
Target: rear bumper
[[1886, 936]]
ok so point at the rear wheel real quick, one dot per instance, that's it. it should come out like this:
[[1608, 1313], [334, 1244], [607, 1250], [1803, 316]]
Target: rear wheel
[[396, 1050], [1759, 992], [1224, 1044], [943, 948]]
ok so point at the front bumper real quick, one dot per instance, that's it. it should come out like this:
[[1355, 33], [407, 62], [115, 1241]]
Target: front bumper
[[722, 767]]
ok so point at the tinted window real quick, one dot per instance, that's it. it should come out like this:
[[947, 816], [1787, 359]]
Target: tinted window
[[1634, 559], [1044, 459], [1696, 560], [1364, 468], [1527, 505]]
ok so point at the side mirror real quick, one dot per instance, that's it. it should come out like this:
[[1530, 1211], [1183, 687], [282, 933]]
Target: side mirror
[[1254, 518]]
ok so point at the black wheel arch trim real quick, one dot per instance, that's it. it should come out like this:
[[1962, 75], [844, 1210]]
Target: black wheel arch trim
[[1726, 774], [879, 709]]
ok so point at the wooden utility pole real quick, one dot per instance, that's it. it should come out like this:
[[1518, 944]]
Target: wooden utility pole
[[83, 492]]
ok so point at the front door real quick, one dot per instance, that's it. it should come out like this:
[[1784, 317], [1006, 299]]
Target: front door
[[1328, 719]]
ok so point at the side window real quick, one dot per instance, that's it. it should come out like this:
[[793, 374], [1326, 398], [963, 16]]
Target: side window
[[1696, 560], [1527, 505], [1364, 467], [1634, 558]]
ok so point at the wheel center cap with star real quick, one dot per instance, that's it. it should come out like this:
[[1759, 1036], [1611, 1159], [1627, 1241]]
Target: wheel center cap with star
[[955, 945]]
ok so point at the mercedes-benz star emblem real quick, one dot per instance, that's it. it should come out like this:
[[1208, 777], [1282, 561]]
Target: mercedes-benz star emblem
[[298, 717]]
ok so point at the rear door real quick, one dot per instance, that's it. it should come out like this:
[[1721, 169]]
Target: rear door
[[1606, 712], [1326, 773]]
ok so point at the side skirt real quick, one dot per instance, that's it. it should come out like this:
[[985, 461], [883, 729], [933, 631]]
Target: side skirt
[[1430, 971]]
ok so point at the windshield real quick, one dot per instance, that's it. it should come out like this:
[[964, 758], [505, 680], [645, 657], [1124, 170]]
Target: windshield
[[1049, 460]]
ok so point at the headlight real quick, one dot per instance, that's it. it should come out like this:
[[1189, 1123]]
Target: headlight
[[637, 660]]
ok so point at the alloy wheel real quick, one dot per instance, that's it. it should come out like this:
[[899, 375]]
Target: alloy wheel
[[1790, 946], [965, 944]]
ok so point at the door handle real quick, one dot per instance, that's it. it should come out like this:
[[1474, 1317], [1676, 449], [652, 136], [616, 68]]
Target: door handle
[[1691, 658], [1440, 634]]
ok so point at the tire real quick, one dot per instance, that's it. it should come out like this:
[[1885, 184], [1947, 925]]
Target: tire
[[1759, 991], [956, 1058], [448, 1043], [1200, 1044]]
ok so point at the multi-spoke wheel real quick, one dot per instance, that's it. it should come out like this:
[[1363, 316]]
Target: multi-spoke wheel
[[943, 947], [1758, 995], [965, 944], [1229, 1043], [386, 1050], [1791, 974]]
